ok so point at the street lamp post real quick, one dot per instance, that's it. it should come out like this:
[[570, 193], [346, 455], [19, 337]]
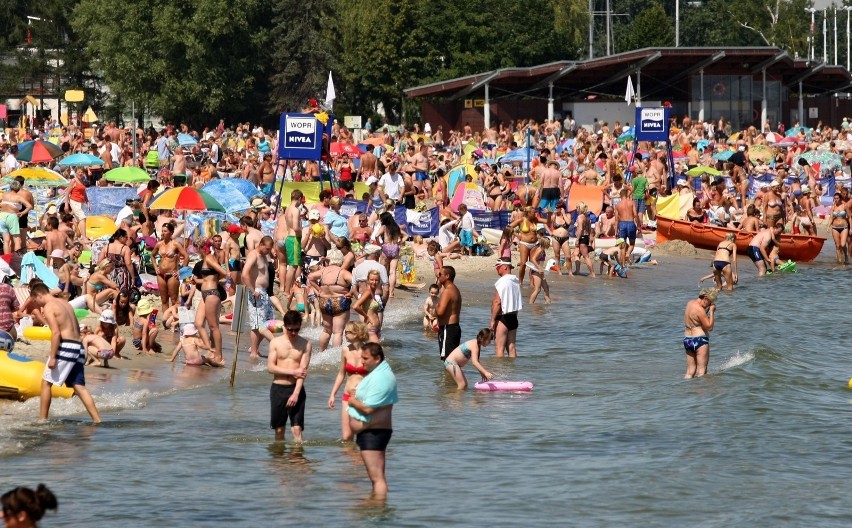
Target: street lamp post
[[847, 9], [824, 36], [811, 46]]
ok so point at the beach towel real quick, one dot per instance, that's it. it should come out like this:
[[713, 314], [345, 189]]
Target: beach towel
[[377, 389], [32, 267]]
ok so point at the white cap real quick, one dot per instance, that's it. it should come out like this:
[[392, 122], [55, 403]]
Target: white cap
[[314, 214], [371, 180]]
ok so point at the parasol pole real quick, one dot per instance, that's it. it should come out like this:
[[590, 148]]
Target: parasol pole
[[239, 316], [280, 190]]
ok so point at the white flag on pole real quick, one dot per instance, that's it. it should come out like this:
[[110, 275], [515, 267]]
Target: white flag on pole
[[329, 92], [628, 97]]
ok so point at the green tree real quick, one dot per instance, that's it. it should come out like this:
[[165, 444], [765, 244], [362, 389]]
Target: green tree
[[651, 28]]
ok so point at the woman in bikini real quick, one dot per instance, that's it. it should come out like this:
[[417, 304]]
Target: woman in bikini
[[469, 351], [166, 269], [208, 274], [695, 213], [352, 370], [773, 205], [536, 266], [100, 288], [561, 221], [725, 262], [391, 237], [525, 228], [333, 284], [840, 227], [584, 238], [118, 253], [371, 307]]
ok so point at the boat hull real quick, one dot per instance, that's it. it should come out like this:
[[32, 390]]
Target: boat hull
[[800, 248]]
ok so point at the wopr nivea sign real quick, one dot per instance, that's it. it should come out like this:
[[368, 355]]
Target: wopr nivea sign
[[300, 137], [652, 124]]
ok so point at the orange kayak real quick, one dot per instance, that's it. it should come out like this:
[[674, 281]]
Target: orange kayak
[[799, 248]]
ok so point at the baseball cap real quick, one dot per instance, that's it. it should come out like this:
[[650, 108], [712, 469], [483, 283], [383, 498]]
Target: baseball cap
[[314, 214], [501, 262], [234, 228], [371, 180]]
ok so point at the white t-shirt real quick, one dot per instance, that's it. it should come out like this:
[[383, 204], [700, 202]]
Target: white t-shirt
[[446, 234], [509, 291], [11, 163], [359, 274], [392, 185], [467, 221]]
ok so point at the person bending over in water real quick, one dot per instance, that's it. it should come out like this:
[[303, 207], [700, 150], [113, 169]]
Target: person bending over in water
[[469, 351], [698, 320]]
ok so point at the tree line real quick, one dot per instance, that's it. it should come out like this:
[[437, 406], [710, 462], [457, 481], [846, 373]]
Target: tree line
[[250, 60]]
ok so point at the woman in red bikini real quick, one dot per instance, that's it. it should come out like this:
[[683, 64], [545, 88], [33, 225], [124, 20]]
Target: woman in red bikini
[[351, 369]]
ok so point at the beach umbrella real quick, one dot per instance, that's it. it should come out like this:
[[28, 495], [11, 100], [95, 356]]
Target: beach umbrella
[[678, 155], [38, 151], [733, 138], [568, 145], [790, 142], [795, 131], [375, 141], [724, 155], [127, 175], [38, 177], [826, 159], [761, 153], [627, 135], [339, 148], [738, 158], [244, 187], [519, 154], [485, 161], [185, 199], [81, 160], [641, 154], [698, 171], [227, 193], [185, 140], [458, 174], [841, 144], [773, 137], [702, 144]]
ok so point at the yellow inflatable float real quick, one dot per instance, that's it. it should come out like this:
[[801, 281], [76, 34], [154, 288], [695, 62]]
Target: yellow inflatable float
[[38, 333], [20, 378], [99, 226]]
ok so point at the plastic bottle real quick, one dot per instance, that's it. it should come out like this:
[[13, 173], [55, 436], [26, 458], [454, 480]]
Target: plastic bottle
[[152, 319]]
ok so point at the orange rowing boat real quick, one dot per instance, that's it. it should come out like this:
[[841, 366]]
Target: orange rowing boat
[[800, 248]]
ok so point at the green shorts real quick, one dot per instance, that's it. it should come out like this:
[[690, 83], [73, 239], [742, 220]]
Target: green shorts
[[9, 223], [293, 247]]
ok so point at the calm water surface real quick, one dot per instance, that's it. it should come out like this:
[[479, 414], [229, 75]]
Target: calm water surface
[[611, 434]]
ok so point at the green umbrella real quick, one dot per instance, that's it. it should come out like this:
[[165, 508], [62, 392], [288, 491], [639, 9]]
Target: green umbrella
[[698, 171], [127, 175]]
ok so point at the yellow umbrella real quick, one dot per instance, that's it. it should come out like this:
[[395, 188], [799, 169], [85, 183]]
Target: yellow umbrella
[[733, 138], [761, 153], [90, 116], [39, 177]]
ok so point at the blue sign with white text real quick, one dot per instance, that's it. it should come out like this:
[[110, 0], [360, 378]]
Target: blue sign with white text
[[652, 124], [300, 137]]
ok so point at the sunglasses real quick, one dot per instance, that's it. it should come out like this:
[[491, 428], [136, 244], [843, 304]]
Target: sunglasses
[[293, 330]]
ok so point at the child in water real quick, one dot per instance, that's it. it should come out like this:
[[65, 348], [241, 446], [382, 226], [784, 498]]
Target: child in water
[[190, 343], [430, 318], [469, 351]]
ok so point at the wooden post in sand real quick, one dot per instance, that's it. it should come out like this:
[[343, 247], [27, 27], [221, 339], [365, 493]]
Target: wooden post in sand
[[238, 318]]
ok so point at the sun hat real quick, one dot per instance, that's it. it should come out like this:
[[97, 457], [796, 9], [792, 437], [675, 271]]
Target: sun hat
[[805, 189], [371, 249], [144, 307], [107, 316], [185, 273], [257, 203], [501, 262], [235, 229], [681, 181], [51, 209], [189, 329], [37, 234], [619, 241], [313, 214]]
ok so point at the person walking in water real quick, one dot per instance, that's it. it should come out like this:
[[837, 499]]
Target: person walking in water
[[698, 320]]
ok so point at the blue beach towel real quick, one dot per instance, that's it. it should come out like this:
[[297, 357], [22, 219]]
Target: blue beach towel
[[377, 389]]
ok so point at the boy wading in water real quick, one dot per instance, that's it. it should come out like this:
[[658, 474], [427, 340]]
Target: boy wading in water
[[67, 355], [289, 357]]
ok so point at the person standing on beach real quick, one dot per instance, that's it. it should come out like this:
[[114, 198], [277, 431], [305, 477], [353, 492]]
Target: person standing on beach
[[289, 357], [288, 233], [370, 412], [255, 276], [504, 310], [67, 355], [448, 312], [698, 320], [627, 219]]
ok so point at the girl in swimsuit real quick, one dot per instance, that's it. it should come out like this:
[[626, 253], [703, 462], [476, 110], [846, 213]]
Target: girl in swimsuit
[[505, 247], [391, 237], [559, 227], [698, 321], [538, 256], [352, 370], [207, 274], [839, 227], [434, 251], [469, 351], [527, 238], [725, 262], [584, 240], [371, 307], [166, 269], [99, 287]]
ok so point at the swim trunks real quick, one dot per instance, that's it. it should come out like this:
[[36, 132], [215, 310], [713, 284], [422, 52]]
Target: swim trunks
[[279, 412], [293, 247], [449, 337], [70, 359], [259, 310], [373, 439], [549, 198], [754, 254], [627, 231], [509, 320], [421, 176], [692, 343], [9, 223], [466, 238]]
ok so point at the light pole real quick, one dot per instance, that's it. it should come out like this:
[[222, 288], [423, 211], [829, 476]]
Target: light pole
[[812, 11], [677, 23], [847, 9], [824, 36], [835, 36]]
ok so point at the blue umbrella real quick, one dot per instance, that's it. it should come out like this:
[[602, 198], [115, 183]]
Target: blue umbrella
[[627, 135], [568, 144], [230, 194], [520, 154], [81, 160], [795, 131], [702, 144], [725, 155], [485, 161], [245, 187], [185, 140]]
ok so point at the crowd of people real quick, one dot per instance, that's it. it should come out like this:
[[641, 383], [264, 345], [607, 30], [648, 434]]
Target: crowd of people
[[312, 264]]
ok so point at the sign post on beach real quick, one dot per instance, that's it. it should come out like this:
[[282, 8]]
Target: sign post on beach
[[236, 325], [652, 124], [302, 137]]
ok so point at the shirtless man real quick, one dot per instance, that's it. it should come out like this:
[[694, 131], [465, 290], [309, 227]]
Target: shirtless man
[[288, 233], [256, 279], [179, 168], [267, 175], [231, 247], [289, 357], [67, 356], [698, 318], [760, 247], [627, 218], [607, 224], [656, 175], [420, 162], [448, 312], [369, 165], [55, 238], [550, 193]]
